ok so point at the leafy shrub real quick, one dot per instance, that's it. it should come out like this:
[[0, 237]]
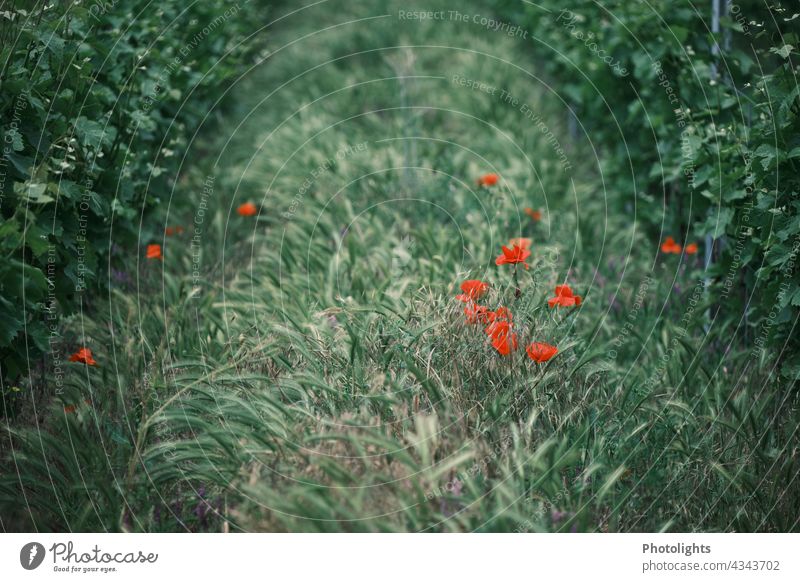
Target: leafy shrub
[[697, 133], [98, 102]]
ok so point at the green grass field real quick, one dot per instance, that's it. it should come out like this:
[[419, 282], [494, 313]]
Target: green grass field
[[309, 368]]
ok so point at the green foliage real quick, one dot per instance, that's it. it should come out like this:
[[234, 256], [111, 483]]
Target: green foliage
[[696, 133], [317, 373], [98, 101]]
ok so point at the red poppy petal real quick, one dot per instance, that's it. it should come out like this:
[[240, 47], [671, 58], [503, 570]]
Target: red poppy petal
[[564, 290]]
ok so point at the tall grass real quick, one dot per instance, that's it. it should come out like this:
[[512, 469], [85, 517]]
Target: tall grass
[[319, 375]]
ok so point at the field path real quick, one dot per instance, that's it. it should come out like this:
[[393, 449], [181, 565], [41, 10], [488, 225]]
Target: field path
[[361, 139], [300, 360], [377, 123]]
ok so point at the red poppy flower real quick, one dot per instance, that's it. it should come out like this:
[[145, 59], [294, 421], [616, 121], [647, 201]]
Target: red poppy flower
[[473, 289], [524, 243], [502, 313], [691, 249], [69, 408], [84, 356], [541, 352], [669, 246], [476, 313], [504, 340], [536, 215], [247, 209], [564, 297], [505, 344], [154, 252], [498, 328], [488, 180], [172, 230], [513, 255]]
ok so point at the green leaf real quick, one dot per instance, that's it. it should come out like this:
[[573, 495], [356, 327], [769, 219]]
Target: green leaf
[[22, 164], [681, 33], [9, 228], [767, 153], [10, 321], [795, 302], [33, 192], [36, 240], [98, 204], [717, 222], [783, 51], [93, 134], [15, 137], [68, 189]]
